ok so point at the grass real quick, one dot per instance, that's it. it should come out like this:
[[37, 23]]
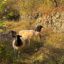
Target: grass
[[2, 23], [29, 54], [55, 40]]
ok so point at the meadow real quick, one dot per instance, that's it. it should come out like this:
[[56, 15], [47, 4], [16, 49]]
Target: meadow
[[25, 15]]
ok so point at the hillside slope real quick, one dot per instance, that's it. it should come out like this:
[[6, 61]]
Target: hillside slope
[[26, 14]]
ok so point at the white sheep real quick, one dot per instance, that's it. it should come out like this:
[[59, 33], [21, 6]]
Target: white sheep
[[28, 34]]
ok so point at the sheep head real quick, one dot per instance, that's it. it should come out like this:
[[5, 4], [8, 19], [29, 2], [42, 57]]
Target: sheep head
[[38, 28]]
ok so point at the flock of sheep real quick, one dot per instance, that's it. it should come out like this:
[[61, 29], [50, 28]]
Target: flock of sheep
[[22, 36]]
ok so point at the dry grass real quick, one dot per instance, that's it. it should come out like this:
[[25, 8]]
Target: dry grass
[[17, 25], [55, 40]]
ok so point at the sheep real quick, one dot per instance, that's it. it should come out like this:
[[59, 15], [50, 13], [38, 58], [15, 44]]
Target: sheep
[[18, 43], [28, 34]]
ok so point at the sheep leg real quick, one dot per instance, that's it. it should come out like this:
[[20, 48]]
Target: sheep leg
[[27, 42], [40, 36], [18, 54], [15, 54]]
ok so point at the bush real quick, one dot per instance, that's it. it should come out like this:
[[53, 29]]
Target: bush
[[12, 15]]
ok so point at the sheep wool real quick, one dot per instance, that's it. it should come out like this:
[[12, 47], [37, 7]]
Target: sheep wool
[[17, 47], [27, 34]]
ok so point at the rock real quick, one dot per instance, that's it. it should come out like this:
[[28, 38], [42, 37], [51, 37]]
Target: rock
[[54, 21], [5, 36]]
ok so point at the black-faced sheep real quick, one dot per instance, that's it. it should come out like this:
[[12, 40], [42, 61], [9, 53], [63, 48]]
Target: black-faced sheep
[[28, 34], [18, 42]]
